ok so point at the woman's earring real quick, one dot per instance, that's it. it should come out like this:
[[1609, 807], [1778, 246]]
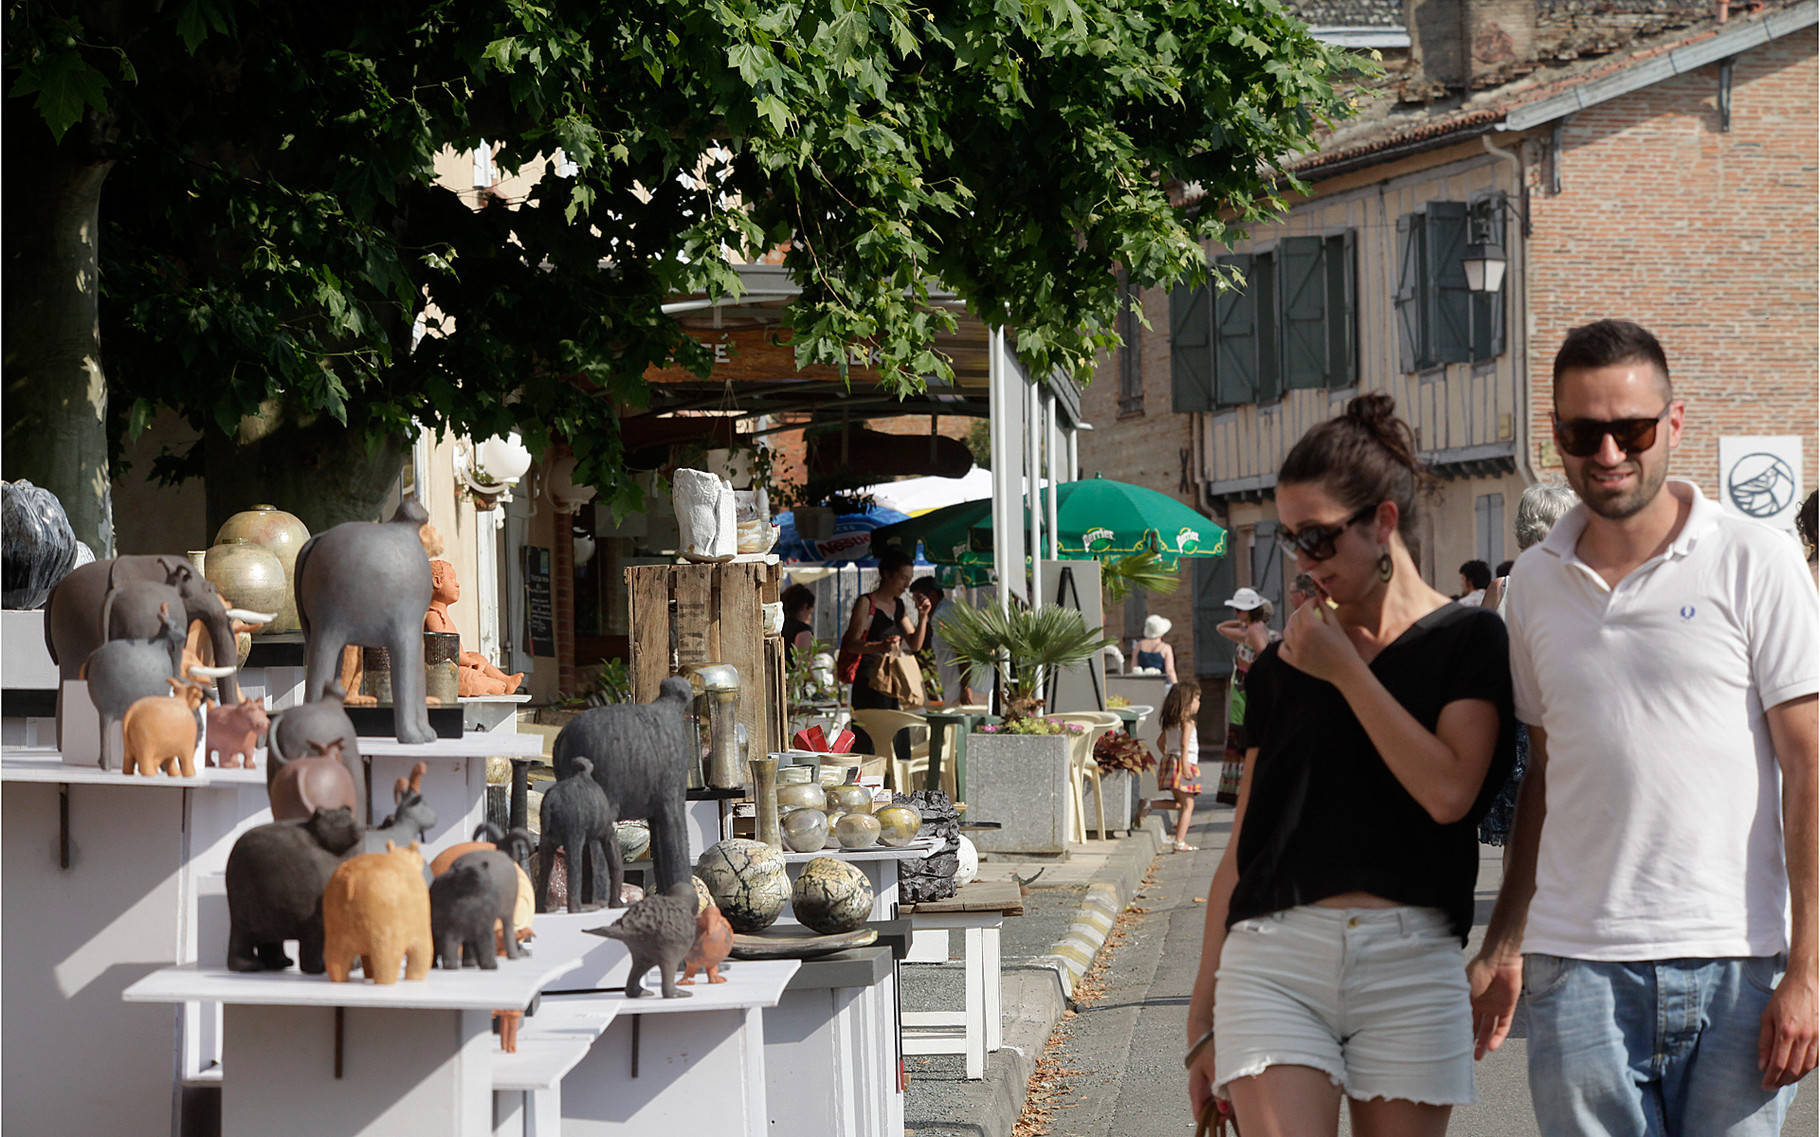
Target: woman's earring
[[1386, 567]]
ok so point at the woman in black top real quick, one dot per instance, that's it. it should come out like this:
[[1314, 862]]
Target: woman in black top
[[878, 622], [1379, 728], [799, 608]]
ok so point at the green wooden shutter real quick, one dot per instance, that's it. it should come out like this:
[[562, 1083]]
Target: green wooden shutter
[[1342, 310], [1412, 338], [1264, 291], [1449, 300], [1235, 354], [1302, 300], [1214, 580], [1487, 224], [1190, 349]]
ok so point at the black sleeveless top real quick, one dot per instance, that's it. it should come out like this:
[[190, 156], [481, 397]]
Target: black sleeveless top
[[1327, 816], [881, 626], [793, 628]]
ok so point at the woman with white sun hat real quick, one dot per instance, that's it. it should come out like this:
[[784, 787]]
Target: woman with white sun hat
[[1152, 654], [1250, 630]]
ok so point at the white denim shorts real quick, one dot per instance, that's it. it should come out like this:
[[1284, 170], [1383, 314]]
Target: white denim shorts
[[1375, 998]]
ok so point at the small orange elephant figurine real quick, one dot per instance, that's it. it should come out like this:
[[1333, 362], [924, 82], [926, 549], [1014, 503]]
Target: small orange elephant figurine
[[377, 909], [160, 732]]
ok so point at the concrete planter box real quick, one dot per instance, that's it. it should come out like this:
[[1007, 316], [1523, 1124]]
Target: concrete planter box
[[1021, 782], [1120, 789]]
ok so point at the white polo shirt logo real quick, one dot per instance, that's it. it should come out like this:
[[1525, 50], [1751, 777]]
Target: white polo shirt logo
[[1687, 611]]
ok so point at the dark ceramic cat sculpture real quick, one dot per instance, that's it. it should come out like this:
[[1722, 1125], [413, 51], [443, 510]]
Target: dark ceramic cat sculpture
[[479, 890], [39, 545], [640, 756], [659, 930], [275, 877], [577, 819]]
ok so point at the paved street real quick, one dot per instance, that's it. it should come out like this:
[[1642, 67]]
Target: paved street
[[1126, 1049]]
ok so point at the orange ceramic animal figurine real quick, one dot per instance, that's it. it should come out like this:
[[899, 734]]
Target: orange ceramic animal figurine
[[507, 1022], [478, 676], [713, 943], [160, 731], [377, 909], [304, 785]]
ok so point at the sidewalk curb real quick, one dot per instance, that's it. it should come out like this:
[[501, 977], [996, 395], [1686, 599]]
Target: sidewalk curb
[[1036, 992]]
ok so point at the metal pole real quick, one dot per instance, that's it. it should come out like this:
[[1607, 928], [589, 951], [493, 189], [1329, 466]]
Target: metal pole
[[1053, 451], [1074, 454], [1033, 480], [996, 380]]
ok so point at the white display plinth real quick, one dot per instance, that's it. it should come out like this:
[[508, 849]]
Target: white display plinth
[[415, 1058], [878, 862]]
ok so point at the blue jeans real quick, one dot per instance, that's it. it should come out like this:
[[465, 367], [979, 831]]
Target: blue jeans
[[1661, 1048]]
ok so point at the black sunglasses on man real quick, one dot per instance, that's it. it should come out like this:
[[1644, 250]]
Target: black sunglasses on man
[[1582, 437]]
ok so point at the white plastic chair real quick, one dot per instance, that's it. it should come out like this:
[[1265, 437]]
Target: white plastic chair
[[1082, 765], [882, 727]]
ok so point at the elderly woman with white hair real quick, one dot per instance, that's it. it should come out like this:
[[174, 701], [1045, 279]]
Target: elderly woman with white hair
[[1541, 505], [1152, 654]]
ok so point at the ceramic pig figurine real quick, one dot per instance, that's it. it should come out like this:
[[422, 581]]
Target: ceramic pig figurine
[[275, 877], [376, 909], [234, 732], [306, 784], [160, 732], [477, 892]]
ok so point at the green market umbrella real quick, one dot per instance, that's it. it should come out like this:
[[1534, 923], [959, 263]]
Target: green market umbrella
[[1098, 518], [946, 534]]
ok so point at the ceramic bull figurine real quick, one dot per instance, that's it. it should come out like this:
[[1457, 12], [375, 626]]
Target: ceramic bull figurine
[[234, 732], [120, 672], [160, 732], [308, 784], [376, 909], [411, 819]]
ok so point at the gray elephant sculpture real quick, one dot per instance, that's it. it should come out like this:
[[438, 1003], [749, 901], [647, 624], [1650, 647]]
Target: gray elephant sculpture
[[640, 755], [121, 672], [73, 626], [368, 584], [313, 728]]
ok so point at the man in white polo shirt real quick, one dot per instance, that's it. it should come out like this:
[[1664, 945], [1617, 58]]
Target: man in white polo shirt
[[1665, 656]]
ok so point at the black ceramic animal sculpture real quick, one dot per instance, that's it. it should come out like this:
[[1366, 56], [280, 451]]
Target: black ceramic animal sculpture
[[411, 818], [659, 930], [640, 756], [276, 874], [39, 545], [121, 672], [368, 584], [577, 819], [479, 890], [72, 617], [307, 730]]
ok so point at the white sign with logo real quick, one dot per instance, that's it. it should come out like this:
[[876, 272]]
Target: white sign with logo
[[1760, 478]]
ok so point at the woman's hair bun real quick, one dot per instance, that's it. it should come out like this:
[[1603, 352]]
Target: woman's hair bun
[[1377, 414]]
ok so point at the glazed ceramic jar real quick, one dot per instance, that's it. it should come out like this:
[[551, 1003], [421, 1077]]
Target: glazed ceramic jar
[[850, 797], [805, 830], [898, 825], [280, 534], [442, 667], [800, 796], [248, 576], [857, 831]]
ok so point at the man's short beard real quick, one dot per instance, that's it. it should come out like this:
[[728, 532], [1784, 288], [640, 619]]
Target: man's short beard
[[1649, 484]]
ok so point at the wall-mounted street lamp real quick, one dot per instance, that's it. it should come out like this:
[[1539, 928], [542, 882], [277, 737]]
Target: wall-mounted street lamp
[[1484, 264], [490, 470]]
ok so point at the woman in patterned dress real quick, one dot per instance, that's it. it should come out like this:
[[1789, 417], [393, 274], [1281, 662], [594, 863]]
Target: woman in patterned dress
[[1250, 630]]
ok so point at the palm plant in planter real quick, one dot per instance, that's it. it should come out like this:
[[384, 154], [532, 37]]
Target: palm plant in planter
[[1025, 644]]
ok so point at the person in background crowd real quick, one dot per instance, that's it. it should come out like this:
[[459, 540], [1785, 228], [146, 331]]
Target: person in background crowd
[[799, 609], [1250, 630], [1475, 578], [1301, 590], [1179, 773], [1661, 896], [1152, 653], [1379, 730], [955, 679], [1807, 523], [1495, 589], [1541, 505], [880, 623]]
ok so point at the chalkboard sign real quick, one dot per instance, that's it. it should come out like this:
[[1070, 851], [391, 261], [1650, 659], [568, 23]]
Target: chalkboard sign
[[540, 622]]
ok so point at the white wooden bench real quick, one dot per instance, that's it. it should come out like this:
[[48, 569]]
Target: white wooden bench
[[978, 910]]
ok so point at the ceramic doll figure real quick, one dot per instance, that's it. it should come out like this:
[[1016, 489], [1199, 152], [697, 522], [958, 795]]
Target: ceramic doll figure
[[477, 675]]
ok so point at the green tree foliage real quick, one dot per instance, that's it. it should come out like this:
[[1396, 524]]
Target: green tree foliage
[[271, 227]]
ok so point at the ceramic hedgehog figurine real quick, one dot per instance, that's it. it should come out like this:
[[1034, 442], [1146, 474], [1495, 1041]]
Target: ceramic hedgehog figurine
[[659, 930]]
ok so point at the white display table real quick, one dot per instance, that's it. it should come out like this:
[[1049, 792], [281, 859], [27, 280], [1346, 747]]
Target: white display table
[[878, 862], [664, 1066], [831, 1054], [406, 1059]]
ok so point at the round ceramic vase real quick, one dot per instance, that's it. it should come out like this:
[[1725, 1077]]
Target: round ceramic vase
[[898, 825], [833, 816], [634, 841], [747, 881], [831, 897], [248, 576], [850, 797], [799, 795], [805, 830], [282, 535], [857, 831]]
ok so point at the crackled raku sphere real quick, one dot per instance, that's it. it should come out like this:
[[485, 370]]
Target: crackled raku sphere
[[703, 898], [857, 831], [747, 881], [898, 824], [634, 840], [801, 795], [805, 830], [831, 896], [850, 797]]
